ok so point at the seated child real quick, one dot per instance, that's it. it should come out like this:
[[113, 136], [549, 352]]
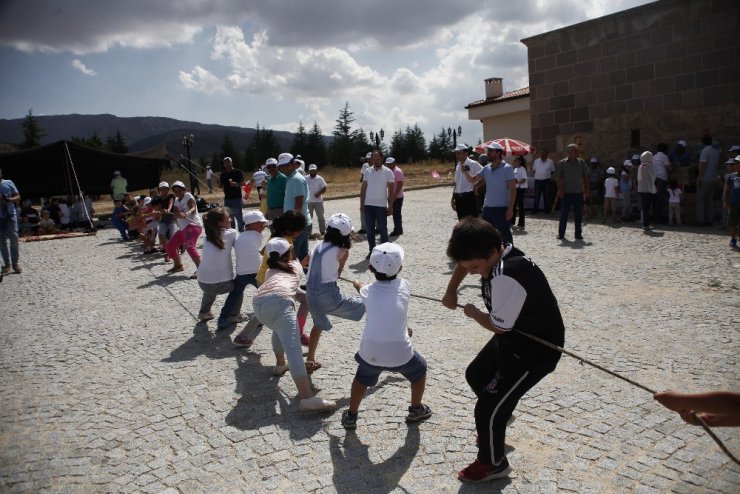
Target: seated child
[[46, 225], [385, 344]]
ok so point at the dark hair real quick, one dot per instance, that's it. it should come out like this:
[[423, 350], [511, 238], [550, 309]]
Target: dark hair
[[276, 261], [706, 140], [211, 225], [382, 276], [673, 184], [157, 201], [521, 160], [288, 222], [333, 236], [473, 238], [662, 147]]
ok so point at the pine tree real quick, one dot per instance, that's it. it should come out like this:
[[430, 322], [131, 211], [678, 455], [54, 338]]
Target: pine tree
[[32, 132], [116, 144], [300, 141], [398, 147], [263, 145], [343, 147], [228, 149], [315, 147]]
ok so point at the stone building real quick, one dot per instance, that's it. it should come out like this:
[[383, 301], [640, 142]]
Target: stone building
[[502, 114], [624, 82]]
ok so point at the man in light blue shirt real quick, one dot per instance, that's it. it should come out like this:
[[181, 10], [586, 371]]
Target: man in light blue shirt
[[9, 197], [296, 199]]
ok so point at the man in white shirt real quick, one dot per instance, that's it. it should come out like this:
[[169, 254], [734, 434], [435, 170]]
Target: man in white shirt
[[543, 167], [209, 178], [463, 198], [376, 198], [316, 190], [661, 166], [365, 166]]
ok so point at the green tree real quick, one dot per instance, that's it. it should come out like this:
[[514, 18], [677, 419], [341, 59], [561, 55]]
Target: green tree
[[315, 146], [93, 141], [116, 144], [216, 163], [398, 147], [228, 149], [416, 146], [440, 147], [300, 141], [32, 132], [361, 144], [343, 148], [263, 145]]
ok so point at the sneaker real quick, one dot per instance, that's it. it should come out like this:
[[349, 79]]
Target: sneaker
[[417, 414], [349, 420], [316, 404], [279, 370], [205, 316], [482, 472], [242, 341]]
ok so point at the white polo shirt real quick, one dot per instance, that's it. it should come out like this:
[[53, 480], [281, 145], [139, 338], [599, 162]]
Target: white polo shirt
[[385, 340], [215, 264], [247, 247], [376, 193], [543, 170], [462, 184], [315, 184]]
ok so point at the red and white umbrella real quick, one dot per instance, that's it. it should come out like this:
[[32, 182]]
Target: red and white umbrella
[[512, 147]]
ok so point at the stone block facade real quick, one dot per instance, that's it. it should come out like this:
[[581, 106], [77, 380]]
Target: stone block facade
[[627, 81]]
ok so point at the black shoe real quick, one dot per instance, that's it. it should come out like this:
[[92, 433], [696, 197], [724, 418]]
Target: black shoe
[[395, 234], [579, 237], [361, 231], [349, 420], [368, 255], [419, 413], [561, 237]]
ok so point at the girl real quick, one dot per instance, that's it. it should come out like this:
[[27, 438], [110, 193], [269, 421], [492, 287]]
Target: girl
[[274, 305], [611, 192], [674, 203], [625, 190], [215, 272], [324, 298], [520, 174], [189, 228], [646, 187]]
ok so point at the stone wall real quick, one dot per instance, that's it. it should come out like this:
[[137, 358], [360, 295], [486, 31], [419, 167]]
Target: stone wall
[[667, 69]]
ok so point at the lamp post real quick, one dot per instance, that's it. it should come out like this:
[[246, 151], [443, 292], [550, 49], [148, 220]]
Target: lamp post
[[454, 134], [187, 141]]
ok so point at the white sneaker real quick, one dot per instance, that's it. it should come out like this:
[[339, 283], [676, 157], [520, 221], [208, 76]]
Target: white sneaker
[[205, 316], [279, 370], [316, 404]]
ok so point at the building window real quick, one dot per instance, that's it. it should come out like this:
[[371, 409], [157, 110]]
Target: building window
[[635, 138]]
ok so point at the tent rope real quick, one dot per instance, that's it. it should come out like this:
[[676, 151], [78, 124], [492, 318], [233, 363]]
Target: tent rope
[[191, 173], [79, 189]]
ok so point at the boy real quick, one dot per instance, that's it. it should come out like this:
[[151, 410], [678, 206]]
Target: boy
[[117, 218], [385, 343], [731, 199], [518, 298]]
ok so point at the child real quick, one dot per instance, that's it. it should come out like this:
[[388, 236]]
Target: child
[[674, 203], [274, 305], [47, 225], [151, 215], [215, 271], [731, 200], [117, 218], [385, 343], [611, 192], [167, 223], [625, 190], [324, 298], [520, 175], [517, 298], [248, 259], [188, 222]]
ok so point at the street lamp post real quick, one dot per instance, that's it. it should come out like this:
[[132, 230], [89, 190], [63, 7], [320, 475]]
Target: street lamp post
[[187, 141]]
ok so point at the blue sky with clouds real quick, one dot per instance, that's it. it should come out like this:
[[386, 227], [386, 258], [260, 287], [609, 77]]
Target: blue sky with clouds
[[237, 62]]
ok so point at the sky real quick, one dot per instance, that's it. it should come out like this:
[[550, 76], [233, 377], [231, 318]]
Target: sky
[[273, 62]]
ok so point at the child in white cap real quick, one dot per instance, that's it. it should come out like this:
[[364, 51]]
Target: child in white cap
[[324, 298], [274, 306], [611, 192], [385, 344]]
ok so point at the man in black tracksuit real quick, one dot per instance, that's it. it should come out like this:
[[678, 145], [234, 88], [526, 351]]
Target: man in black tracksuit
[[518, 299]]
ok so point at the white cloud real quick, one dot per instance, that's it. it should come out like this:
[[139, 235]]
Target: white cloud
[[77, 64], [199, 79]]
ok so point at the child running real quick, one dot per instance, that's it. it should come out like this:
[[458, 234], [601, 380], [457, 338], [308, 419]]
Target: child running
[[274, 305], [385, 344], [324, 298], [517, 298], [215, 272], [189, 228]]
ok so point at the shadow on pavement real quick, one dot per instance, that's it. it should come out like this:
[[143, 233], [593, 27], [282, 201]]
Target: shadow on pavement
[[213, 345]]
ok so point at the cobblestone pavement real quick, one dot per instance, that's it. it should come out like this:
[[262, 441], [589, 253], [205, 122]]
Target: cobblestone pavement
[[108, 384]]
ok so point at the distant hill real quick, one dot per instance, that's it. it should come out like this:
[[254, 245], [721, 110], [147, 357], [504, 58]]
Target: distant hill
[[140, 132]]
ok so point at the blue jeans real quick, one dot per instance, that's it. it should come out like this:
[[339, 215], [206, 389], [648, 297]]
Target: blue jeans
[[300, 244], [497, 217], [9, 232], [235, 206], [569, 201], [121, 226], [373, 214], [397, 219], [278, 314], [233, 304]]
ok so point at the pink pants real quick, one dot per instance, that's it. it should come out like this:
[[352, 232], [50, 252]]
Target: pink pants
[[188, 236]]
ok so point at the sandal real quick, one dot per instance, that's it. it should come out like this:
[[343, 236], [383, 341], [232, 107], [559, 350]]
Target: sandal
[[312, 366], [176, 268]]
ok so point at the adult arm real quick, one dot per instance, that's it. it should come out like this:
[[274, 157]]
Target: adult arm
[[363, 191], [452, 200], [511, 184], [398, 188], [391, 198], [298, 203]]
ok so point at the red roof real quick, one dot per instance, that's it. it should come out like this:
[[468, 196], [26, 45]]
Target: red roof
[[517, 93]]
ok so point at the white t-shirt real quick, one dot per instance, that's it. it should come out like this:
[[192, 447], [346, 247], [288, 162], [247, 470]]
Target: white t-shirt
[[182, 206], [385, 340], [660, 165], [543, 170], [329, 262], [65, 214], [209, 174], [215, 264], [520, 173], [259, 177], [247, 247], [462, 184], [315, 184], [610, 187], [674, 196], [377, 185]]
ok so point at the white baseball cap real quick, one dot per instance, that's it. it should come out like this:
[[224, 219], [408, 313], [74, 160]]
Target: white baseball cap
[[277, 244], [255, 217], [495, 146], [136, 198], [387, 258], [164, 185], [635, 157], [461, 147], [389, 161], [284, 159], [312, 167], [610, 170], [116, 172], [227, 158], [681, 143], [270, 161], [594, 159], [147, 201], [178, 184], [627, 163], [341, 222], [369, 155]]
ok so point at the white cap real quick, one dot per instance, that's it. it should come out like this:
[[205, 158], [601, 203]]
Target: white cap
[[227, 158], [737, 159], [284, 159], [164, 185], [387, 258], [178, 184], [730, 161], [255, 217], [646, 157], [594, 159], [627, 163], [116, 172], [341, 222], [208, 167], [136, 198], [461, 147], [733, 149], [495, 146], [389, 161], [635, 157], [147, 201], [270, 161], [277, 244], [610, 170], [681, 143], [369, 155], [312, 166]]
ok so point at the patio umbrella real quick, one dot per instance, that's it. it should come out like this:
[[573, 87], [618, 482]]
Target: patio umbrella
[[512, 147]]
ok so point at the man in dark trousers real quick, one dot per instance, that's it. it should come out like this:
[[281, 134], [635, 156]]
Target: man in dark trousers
[[232, 181]]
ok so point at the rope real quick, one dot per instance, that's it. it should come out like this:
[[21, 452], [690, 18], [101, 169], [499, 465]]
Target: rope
[[189, 172], [583, 360], [79, 189]]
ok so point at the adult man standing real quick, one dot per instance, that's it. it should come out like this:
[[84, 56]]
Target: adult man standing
[[572, 176], [232, 181], [118, 185], [275, 189], [9, 199], [661, 167], [209, 178], [364, 167], [296, 198], [316, 190], [376, 199], [498, 205], [397, 197], [463, 198], [706, 181], [544, 167]]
